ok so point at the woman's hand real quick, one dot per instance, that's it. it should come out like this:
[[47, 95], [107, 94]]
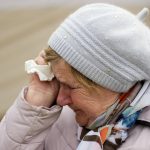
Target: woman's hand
[[42, 93]]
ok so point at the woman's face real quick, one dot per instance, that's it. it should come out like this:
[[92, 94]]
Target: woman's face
[[87, 104]]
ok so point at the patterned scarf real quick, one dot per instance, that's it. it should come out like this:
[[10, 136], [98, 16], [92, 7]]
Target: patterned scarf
[[110, 129]]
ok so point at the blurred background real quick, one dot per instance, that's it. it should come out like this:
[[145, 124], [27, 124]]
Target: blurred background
[[25, 26]]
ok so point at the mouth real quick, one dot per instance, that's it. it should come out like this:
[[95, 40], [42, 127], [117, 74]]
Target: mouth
[[76, 110]]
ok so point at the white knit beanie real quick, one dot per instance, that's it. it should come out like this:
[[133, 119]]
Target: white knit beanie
[[107, 44]]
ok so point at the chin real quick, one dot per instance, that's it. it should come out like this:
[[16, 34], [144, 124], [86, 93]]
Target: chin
[[82, 120]]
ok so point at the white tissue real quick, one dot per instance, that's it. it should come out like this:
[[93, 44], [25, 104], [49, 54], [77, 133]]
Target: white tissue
[[44, 71]]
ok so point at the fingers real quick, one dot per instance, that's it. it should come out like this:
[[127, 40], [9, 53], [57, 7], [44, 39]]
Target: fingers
[[40, 58], [33, 77]]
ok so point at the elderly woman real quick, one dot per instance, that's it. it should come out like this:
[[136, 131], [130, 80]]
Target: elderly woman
[[100, 95]]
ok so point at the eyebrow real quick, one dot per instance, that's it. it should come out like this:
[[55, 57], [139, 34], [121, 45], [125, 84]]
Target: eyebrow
[[65, 82]]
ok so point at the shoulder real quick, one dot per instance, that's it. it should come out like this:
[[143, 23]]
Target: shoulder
[[139, 135], [63, 132]]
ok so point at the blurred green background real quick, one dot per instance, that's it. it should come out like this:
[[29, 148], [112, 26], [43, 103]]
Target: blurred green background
[[25, 27]]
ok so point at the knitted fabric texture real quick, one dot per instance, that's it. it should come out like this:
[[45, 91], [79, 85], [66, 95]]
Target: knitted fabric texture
[[107, 44]]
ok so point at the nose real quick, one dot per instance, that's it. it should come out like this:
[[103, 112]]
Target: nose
[[63, 97]]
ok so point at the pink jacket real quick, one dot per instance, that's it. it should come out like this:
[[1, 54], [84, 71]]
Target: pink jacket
[[27, 127]]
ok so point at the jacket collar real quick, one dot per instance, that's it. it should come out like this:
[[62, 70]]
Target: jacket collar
[[142, 101]]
